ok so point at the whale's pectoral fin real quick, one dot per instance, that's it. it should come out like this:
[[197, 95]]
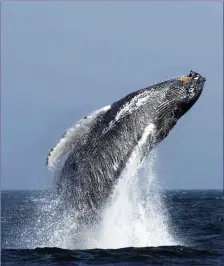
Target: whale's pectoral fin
[[74, 137]]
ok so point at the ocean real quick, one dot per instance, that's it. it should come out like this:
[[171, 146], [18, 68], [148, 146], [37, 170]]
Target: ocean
[[32, 233]]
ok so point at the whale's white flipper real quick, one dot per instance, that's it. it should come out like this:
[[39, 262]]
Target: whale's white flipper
[[72, 137]]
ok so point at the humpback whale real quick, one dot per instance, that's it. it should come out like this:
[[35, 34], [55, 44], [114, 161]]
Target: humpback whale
[[99, 146]]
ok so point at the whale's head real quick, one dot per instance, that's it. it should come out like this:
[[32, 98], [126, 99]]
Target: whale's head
[[191, 87], [179, 95]]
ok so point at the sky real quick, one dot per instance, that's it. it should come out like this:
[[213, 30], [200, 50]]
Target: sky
[[62, 60]]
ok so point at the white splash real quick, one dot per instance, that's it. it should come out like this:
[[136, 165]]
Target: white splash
[[135, 215], [49, 226]]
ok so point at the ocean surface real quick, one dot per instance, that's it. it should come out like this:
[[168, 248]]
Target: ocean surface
[[31, 235]]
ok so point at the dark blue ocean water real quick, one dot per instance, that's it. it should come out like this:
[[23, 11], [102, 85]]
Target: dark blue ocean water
[[196, 216]]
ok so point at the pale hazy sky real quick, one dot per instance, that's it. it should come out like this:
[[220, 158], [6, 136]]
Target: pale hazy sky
[[62, 60]]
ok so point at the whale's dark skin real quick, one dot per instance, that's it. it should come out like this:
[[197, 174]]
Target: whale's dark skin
[[93, 166]]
